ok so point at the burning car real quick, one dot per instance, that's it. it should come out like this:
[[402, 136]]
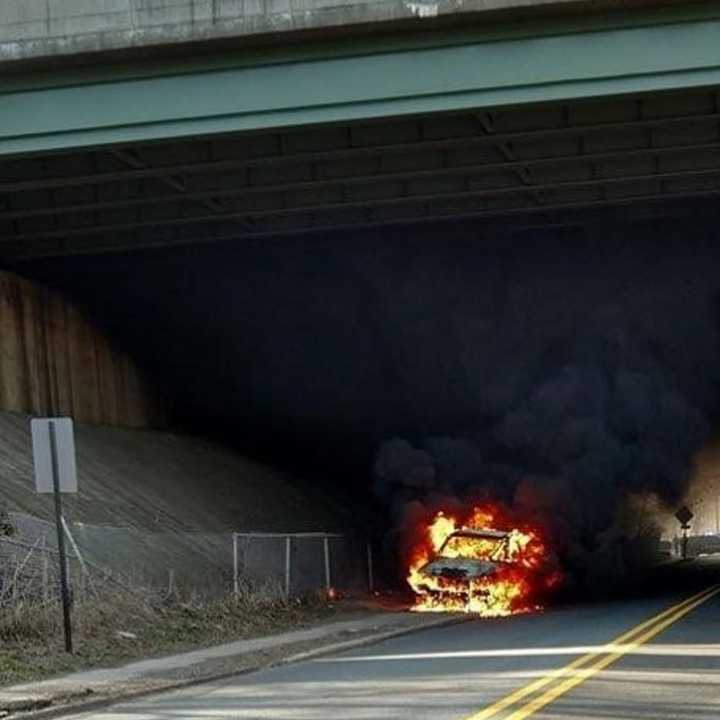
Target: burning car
[[468, 555], [472, 567]]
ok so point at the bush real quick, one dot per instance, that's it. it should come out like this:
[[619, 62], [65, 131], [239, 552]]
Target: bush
[[116, 621]]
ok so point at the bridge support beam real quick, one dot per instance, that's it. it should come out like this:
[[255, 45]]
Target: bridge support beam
[[319, 84]]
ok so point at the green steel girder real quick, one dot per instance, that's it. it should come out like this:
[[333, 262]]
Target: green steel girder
[[266, 91]]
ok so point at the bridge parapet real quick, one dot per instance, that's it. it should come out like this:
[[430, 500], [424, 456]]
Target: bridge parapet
[[37, 29]]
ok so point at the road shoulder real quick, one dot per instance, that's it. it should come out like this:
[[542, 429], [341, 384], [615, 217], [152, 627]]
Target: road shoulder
[[98, 688]]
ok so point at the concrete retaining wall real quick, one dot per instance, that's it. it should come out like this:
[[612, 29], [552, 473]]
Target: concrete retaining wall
[[53, 361]]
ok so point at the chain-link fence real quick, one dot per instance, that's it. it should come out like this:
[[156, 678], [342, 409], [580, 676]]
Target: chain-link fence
[[203, 563], [301, 563], [29, 574], [26, 572], [194, 561]]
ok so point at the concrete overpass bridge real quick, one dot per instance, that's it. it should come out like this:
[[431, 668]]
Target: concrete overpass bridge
[[138, 123]]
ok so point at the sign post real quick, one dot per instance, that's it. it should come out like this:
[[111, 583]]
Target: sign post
[[684, 515], [55, 472]]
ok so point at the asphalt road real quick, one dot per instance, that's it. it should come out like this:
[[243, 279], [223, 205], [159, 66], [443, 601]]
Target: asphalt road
[[659, 666]]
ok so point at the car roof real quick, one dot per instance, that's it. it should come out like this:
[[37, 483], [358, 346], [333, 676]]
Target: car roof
[[486, 534]]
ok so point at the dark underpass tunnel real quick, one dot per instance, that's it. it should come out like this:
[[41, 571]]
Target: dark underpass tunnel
[[563, 371]]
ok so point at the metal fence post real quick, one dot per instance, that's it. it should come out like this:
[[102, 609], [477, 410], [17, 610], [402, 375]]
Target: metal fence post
[[371, 579], [236, 582], [288, 549], [45, 571], [326, 551]]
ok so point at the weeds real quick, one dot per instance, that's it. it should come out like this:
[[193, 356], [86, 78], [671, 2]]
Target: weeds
[[119, 621]]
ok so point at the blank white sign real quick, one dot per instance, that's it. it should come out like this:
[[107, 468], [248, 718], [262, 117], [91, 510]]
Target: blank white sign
[[65, 443]]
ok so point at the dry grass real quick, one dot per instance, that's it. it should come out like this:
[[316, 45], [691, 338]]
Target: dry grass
[[115, 622]]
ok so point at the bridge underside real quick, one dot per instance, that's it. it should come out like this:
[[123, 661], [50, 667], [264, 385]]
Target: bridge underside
[[554, 163], [495, 124]]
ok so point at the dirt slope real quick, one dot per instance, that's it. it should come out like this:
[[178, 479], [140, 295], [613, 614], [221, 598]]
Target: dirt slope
[[161, 481]]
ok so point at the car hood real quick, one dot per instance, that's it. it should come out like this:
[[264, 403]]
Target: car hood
[[459, 568]]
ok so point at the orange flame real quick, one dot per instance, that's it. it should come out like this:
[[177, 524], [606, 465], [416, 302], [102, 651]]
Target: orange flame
[[522, 567]]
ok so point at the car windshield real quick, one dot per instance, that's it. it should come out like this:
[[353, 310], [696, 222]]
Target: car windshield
[[478, 548]]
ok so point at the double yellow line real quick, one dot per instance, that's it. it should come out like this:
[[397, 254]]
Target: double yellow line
[[573, 674]]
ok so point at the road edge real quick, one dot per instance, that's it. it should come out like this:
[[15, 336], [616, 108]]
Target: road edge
[[88, 705]]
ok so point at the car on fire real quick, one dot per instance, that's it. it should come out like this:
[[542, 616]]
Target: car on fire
[[467, 555]]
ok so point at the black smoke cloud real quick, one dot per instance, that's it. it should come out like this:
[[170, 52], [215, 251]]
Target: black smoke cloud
[[559, 370], [573, 430], [601, 420]]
